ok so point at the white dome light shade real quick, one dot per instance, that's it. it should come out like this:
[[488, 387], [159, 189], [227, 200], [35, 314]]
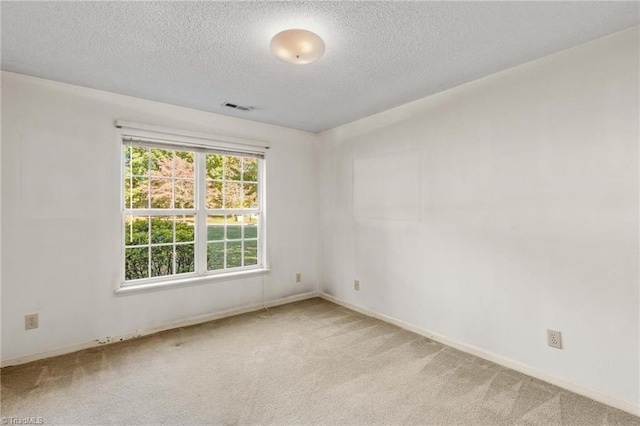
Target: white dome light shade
[[297, 46]]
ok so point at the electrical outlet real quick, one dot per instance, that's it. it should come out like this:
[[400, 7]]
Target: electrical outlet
[[298, 277], [30, 321], [554, 339], [356, 285]]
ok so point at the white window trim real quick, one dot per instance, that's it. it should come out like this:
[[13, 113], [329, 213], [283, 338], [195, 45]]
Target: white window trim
[[184, 281], [193, 141]]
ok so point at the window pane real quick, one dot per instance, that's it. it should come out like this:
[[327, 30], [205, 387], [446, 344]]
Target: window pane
[[250, 226], [250, 169], [185, 259], [250, 195], [184, 194], [214, 195], [215, 228], [232, 168], [234, 254], [215, 256], [185, 229], [136, 230], [136, 263], [250, 219], [232, 195], [127, 159], [161, 229], [161, 193], [184, 164], [214, 166], [250, 253], [136, 193], [161, 162], [136, 161], [161, 261], [234, 227]]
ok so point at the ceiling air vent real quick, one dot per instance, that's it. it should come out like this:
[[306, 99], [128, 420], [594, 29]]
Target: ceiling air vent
[[238, 107]]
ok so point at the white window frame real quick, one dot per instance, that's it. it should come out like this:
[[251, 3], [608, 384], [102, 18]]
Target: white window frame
[[201, 144]]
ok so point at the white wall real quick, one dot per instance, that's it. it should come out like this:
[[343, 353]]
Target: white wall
[[493, 211], [60, 217]]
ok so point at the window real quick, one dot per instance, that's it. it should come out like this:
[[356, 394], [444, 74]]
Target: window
[[189, 211]]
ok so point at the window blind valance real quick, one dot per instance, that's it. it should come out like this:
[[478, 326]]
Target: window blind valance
[[150, 134]]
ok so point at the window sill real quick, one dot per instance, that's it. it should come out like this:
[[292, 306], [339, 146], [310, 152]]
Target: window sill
[[185, 282]]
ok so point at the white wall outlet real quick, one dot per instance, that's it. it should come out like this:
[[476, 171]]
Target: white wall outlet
[[554, 339], [30, 321], [356, 285], [298, 277]]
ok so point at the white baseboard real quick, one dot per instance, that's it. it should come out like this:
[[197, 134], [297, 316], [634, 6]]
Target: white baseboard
[[626, 406], [182, 323]]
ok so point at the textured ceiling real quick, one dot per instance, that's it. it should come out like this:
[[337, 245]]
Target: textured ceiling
[[379, 54]]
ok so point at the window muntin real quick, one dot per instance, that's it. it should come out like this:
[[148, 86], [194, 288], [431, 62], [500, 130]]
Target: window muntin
[[169, 194]]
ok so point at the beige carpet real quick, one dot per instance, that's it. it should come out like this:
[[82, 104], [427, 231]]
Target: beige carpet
[[310, 362]]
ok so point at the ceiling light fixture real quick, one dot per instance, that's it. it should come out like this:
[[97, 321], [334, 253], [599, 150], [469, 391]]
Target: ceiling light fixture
[[297, 46]]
